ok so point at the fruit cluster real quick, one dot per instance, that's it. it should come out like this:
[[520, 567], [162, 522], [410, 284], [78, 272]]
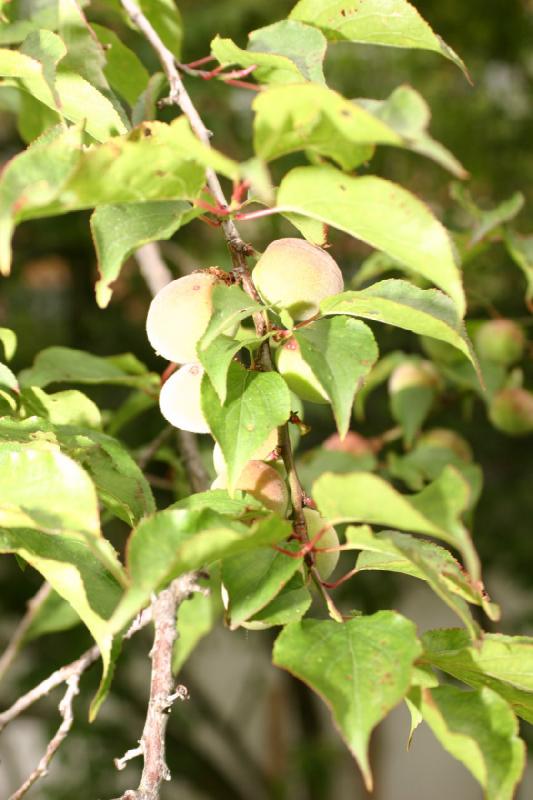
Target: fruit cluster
[[291, 276]]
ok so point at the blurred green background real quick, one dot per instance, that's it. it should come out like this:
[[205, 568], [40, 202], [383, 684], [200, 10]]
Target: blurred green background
[[259, 735]]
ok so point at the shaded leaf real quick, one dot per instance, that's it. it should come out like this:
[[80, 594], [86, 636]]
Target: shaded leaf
[[255, 404], [197, 615], [480, 730], [359, 206], [393, 23], [361, 669], [340, 351], [123, 69], [520, 249], [285, 52], [118, 230], [69, 407], [289, 605], [503, 663], [166, 19], [486, 221]]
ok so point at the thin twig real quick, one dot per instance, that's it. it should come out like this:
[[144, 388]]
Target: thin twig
[[147, 453], [194, 466], [65, 710], [15, 643]]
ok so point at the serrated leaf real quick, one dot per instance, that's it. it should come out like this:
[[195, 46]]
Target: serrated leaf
[[435, 511], [197, 616], [57, 174], [360, 668], [520, 248], [480, 730], [288, 606], [285, 52], [340, 351], [393, 23], [176, 541], [72, 569], [118, 230], [392, 551], [256, 403], [123, 69], [359, 207], [503, 663], [252, 580], [67, 365], [426, 312]]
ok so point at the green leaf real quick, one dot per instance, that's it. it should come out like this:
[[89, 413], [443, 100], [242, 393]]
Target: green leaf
[[435, 511], [176, 541], [54, 614], [426, 312], [256, 403], [340, 351], [197, 616], [57, 174], [44, 489], [118, 230], [254, 579], [399, 552], [242, 506], [480, 730], [313, 463], [520, 248], [393, 23], [361, 669], [503, 663], [33, 69], [72, 569], [22, 18], [8, 380], [360, 207], [288, 606], [123, 69], [166, 19], [285, 52], [322, 122], [406, 112], [119, 481], [69, 407], [67, 365], [486, 221]]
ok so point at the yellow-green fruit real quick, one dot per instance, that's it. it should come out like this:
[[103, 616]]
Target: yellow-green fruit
[[180, 399], [324, 562], [501, 341], [263, 483], [413, 373], [511, 411], [261, 454], [295, 275], [298, 374], [442, 437], [178, 316]]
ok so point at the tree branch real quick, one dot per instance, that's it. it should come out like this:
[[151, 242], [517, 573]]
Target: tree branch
[[15, 643], [152, 267]]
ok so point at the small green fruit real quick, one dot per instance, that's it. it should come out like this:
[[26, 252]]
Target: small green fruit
[[324, 562], [298, 374], [511, 411], [295, 275], [413, 373], [180, 399], [501, 341]]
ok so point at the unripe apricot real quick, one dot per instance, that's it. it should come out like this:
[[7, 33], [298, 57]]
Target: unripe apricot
[[442, 437], [295, 275], [511, 411], [413, 373], [263, 483], [501, 341], [180, 399], [298, 374], [324, 562], [261, 454], [178, 316]]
